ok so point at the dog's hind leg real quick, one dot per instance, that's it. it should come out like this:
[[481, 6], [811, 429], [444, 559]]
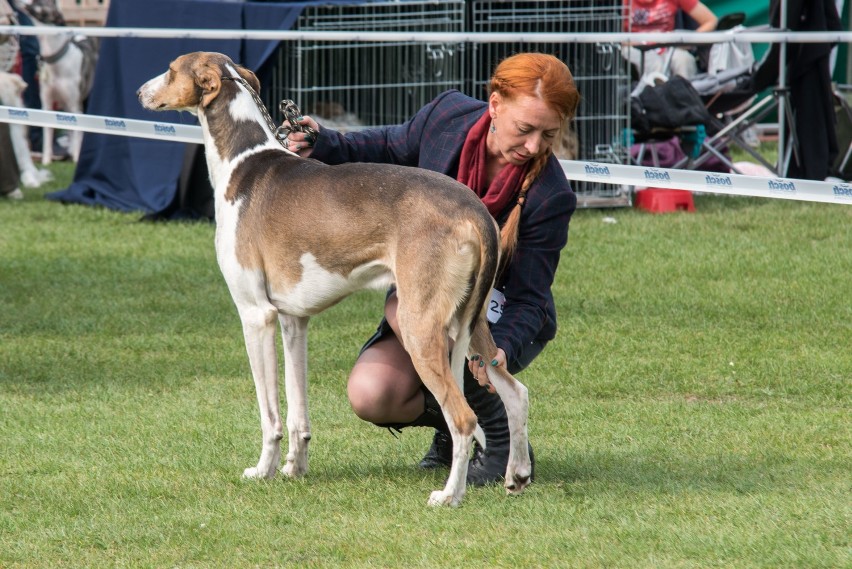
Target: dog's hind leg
[[427, 343], [31, 176], [295, 334], [515, 398], [259, 331]]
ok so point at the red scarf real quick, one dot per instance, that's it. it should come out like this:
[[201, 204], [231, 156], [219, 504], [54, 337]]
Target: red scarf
[[505, 186]]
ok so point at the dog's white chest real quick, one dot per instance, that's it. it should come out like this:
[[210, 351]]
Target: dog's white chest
[[310, 290], [319, 288]]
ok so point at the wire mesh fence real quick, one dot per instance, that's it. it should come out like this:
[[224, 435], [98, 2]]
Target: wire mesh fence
[[361, 84], [351, 85]]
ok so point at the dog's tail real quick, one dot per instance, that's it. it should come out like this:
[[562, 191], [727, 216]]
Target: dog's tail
[[481, 342], [476, 306]]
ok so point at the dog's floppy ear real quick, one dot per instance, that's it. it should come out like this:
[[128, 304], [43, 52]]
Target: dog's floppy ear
[[209, 78], [249, 77]]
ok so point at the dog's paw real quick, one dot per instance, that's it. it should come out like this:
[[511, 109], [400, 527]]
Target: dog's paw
[[293, 470], [31, 179], [517, 485], [515, 482], [255, 473], [443, 498], [34, 178]]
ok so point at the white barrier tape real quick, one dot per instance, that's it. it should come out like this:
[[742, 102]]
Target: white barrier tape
[[102, 125], [710, 182], [675, 37], [697, 181]]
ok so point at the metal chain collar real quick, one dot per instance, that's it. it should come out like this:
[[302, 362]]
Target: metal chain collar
[[290, 111], [288, 108]]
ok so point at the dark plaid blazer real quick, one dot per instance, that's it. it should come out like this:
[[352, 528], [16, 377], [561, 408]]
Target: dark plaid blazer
[[433, 139]]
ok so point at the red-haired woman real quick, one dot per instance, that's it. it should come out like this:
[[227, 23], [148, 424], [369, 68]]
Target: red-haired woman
[[501, 149]]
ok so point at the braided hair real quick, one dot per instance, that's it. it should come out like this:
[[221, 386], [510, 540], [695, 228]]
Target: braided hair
[[549, 79]]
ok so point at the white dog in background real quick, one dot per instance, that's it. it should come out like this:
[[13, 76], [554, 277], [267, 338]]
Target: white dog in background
[[66, 74], [11, 89]]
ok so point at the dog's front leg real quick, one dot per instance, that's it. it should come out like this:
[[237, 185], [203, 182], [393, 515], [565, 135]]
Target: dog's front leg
[[515, 397], [294, 331], [47, 145], [48, 102], [259, 331]]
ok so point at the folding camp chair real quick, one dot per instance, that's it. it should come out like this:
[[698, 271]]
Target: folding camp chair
[[672, 109], [690, 134], [735, 108]]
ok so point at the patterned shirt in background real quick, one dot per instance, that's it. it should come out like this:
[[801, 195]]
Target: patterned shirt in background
[[655, 15]]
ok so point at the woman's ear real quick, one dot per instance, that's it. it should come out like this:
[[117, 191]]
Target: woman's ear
[[494, 101]]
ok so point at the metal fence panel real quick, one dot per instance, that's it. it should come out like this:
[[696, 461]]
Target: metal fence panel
[[351, 85]]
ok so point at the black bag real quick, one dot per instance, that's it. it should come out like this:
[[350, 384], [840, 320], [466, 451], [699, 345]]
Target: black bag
[[669, 105]]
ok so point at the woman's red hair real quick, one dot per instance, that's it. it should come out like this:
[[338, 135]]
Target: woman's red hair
[[549, 79]]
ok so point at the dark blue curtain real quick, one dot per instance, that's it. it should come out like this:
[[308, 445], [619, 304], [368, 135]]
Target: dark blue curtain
[[135, 174]]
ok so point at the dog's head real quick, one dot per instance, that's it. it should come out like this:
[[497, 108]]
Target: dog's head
[[193, 81], [45, 11]]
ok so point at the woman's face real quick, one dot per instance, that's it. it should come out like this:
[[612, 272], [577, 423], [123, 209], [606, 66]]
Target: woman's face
[[525, 127]]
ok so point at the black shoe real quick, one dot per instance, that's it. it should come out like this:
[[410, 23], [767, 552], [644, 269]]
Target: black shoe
[[440, 454], [489, 467]]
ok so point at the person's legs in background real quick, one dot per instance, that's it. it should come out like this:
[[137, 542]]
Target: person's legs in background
[[683, 63]]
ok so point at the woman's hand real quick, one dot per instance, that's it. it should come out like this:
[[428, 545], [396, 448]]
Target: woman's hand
[[299, 142], [477, 367]]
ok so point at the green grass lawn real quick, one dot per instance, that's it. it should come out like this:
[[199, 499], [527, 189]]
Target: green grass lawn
[[694, 410]]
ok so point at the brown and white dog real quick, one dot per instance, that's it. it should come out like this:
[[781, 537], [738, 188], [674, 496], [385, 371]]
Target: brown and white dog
[[295, 236]]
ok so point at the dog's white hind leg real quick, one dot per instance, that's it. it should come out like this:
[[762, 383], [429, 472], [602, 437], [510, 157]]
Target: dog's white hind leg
[[427, 346], [295, 336], [458, 361], [456, 486], [259, 332], [31, 176]]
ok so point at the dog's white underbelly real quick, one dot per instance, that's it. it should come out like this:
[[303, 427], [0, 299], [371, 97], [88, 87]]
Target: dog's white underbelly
[[319, 288]]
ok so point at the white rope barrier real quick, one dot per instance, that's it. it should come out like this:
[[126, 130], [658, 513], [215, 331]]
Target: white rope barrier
[[732, 184], [710, 182], [102, 125], [675, 37]]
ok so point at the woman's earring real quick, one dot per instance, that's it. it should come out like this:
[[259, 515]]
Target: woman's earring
[[493, 128]]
